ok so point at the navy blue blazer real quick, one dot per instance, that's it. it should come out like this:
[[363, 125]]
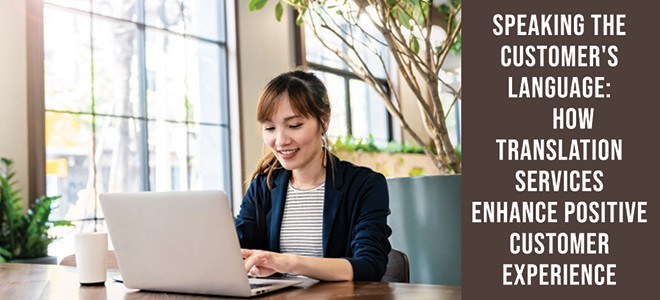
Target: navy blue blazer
[[355, 213]]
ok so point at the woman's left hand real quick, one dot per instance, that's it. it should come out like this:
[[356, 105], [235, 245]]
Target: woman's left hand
[[262, 263]]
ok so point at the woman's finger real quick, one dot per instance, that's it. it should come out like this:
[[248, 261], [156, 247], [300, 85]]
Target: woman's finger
[[246, 252], [251, 261]]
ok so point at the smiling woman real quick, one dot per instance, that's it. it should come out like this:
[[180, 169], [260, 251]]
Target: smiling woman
[[307, 212], [294, 109], [294, 140]]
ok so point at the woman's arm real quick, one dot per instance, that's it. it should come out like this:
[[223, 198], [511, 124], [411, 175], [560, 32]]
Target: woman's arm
[[249, 223], [369, 243], [265, 263]]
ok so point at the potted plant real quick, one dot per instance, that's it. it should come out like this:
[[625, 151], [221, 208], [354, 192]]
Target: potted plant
[[419, 36], [393, 159], [23, 234]]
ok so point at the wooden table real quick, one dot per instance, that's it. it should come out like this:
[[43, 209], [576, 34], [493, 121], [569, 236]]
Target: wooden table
[[22, 281]]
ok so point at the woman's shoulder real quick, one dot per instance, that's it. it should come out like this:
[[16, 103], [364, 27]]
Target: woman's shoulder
[[261, 180]]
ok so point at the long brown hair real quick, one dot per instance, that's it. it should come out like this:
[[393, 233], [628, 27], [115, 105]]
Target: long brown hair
[[308, 97]]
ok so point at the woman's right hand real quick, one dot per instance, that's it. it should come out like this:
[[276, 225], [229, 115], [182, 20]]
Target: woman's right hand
[[260, 263]]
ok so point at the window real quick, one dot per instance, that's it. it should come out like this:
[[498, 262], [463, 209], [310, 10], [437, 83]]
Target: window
[[452, 76], [135, 100], [357, 109]]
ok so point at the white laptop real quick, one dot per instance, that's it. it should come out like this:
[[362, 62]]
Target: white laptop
[[182, 242]]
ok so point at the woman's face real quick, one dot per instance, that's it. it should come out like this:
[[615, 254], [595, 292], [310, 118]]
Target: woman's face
[[294, 139]]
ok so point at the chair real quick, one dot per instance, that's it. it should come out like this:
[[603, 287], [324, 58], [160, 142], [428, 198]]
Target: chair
[[398, 267], [111, 260]]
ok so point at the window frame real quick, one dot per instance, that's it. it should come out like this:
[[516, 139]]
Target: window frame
[[36, 95], [36, 100], [300, 58]]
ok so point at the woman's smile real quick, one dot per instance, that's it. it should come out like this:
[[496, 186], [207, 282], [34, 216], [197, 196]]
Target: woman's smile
[[288, 154]]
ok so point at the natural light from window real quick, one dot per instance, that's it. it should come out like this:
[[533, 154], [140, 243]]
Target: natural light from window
[[136, 100]]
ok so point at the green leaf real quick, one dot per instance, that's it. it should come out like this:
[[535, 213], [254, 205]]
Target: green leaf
[[459, 152], [457, 47], [279, 10], [425, 10], [22, 234], [62, 223], [414, 44], [444, 9], [404, 19], [4, 254], [416, 171], [256, 4], [301, 17], [418, 14]]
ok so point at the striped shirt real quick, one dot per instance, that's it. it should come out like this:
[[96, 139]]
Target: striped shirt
[[302, 222]]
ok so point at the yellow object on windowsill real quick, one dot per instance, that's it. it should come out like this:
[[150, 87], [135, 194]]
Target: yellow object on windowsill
[[57, 167]]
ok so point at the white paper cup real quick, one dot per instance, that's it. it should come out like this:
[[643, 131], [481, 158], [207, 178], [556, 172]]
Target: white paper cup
[[91, 255]]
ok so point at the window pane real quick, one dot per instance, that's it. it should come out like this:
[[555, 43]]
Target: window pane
[[359, 30], [78, 4], [208, 146], [67, 61], [166, 14], [317, 53], [372, 46], [205, 92], [452, 109], [452, 116], [202, 18], [336, 86], [118, 155], [168, 160], [115, 68], [98, 136], [166, 72], [68, 170], [120, 9], [368, 113]]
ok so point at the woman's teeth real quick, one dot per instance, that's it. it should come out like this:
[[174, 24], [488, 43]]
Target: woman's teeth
[[287, 152]]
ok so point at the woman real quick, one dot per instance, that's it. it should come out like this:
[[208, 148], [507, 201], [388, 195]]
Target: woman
[[306, 212]]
